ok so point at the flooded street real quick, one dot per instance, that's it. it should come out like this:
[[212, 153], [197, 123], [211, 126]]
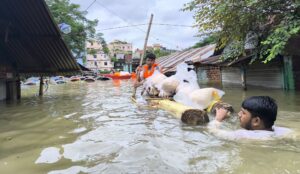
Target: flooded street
[[95, 128]]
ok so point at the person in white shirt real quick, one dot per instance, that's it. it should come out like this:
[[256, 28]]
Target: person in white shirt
[[257, 117]]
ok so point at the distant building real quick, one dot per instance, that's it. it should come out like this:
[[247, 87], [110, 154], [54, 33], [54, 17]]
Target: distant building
[[120, 56], [96, 59], [121, 50], [93, 44], [149, 48], [119, 47], [99, 61], [158, 47], [137, 54]]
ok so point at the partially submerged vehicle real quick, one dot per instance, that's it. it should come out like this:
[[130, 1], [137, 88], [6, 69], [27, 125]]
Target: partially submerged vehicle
[[32, 81], [58, 80]]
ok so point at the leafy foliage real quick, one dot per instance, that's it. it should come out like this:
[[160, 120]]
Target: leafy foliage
[[160, 53], [65, 12], [92, 51], [233, 50], [275, 43], [206, 41], [100, 38], [104, 71], [275, 22], [114, 59]]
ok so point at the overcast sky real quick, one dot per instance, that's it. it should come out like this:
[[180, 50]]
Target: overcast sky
[[117, 13]]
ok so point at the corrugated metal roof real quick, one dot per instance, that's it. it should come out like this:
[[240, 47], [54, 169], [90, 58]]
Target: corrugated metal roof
[[217, 61], [31, 40], [213, 60], [204, 53], [170, 62]]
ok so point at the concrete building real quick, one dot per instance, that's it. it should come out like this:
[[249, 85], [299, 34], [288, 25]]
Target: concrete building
[[137, 54], [119, 47], [158, 47], [96, 59], [120, 56], [93, 44], [99, 62], [121, 50]]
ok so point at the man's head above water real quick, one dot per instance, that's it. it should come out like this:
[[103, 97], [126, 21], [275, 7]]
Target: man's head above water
[[258, 113], [150, 59]]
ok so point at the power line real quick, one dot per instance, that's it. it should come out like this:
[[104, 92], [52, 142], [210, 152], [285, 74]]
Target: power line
[[112, 28], [131, 23], [134, 25], [175, 25], [118, 16], [90, 5]]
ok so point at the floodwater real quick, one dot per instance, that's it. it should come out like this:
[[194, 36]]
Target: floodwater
[[95, 128]]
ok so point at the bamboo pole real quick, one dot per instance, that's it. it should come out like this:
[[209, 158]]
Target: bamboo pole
[[187, 114], [143, 55], [146, 40]]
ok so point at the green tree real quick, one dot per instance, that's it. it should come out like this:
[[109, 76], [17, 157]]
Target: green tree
[[99, 37], [114, 59], [65, 12], [160, 53], [274, 22], [92, 51], [206, 41]]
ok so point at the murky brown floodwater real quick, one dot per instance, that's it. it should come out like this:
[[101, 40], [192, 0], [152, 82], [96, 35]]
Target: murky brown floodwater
[[95, 128]]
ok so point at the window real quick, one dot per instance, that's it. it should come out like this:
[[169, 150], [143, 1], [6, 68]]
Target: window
[[95, 63], [95, 56], [92, 43], [105, 63]]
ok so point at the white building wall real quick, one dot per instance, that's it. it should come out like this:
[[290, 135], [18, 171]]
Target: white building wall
[[100, 59], [93, 45], [120, 56], [117, 47], [136, 55]]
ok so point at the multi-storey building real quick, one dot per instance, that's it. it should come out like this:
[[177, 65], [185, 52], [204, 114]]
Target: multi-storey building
[[99, 61], [93, 44], [121, 51], [119, 47], [158, 47], [96, 59]]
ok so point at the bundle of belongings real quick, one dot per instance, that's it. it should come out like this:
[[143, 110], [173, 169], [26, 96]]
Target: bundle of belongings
[[183, 88]]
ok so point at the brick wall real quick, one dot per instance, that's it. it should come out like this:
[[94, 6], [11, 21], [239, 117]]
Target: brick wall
[[213, 73]]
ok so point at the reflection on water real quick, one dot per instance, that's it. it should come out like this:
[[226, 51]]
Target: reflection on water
[[95, 128]]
